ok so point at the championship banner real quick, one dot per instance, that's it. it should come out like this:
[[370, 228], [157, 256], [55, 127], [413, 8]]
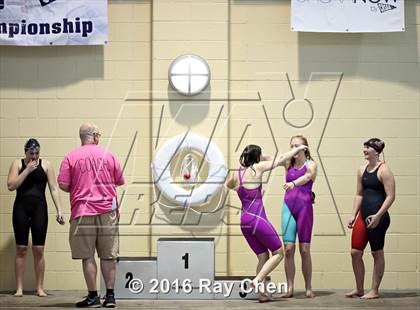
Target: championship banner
[[348, 15], [53, 22]]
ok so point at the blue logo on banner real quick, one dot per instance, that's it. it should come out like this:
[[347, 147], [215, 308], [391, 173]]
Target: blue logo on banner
[[45, 2], [386, 7]]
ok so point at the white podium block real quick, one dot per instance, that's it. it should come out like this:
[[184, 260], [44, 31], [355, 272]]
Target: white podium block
[[185, 260], [133, 278]]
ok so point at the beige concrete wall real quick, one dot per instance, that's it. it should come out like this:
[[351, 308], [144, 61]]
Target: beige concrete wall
[[201, 28], [47, 92], [378, 96]]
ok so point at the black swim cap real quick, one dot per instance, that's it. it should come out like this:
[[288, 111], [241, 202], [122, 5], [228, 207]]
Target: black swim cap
[[377, 144], [31, 144]]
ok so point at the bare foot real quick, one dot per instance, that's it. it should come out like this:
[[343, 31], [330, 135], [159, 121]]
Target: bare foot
[[372, 294], [289, 294], [19, 293], [309, 294], [258, 285], [354, 293], [263, 297], [41, 293]]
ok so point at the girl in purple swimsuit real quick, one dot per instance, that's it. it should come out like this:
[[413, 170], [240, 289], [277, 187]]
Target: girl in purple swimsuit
[[297, 213], [257, 230]]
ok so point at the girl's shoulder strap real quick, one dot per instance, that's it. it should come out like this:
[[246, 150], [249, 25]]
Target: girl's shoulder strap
[[379, 166], [240, 175]]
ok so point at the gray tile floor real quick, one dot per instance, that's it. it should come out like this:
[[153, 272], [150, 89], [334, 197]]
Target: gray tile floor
[[324, 300]]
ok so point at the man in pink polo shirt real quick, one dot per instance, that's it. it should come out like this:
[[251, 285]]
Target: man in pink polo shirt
[[90, 174]]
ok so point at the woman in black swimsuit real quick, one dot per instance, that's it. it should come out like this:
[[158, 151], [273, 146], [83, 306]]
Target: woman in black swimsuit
[[370, 218], [29, 177]]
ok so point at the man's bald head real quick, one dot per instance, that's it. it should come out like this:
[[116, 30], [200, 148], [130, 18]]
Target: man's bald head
[[87, 133]]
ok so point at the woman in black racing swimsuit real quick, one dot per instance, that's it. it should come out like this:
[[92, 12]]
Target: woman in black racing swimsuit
[[370, 219], [29, 177]]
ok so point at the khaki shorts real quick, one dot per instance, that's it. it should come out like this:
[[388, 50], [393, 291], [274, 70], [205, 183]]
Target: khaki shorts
[[99, 232]]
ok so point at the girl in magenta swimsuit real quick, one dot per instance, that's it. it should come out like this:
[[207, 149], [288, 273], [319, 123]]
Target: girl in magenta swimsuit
[[257, 230], [297, 213]]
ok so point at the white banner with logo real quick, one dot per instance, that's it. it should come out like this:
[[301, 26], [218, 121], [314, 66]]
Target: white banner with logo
[[348, 15], [53, 22]]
